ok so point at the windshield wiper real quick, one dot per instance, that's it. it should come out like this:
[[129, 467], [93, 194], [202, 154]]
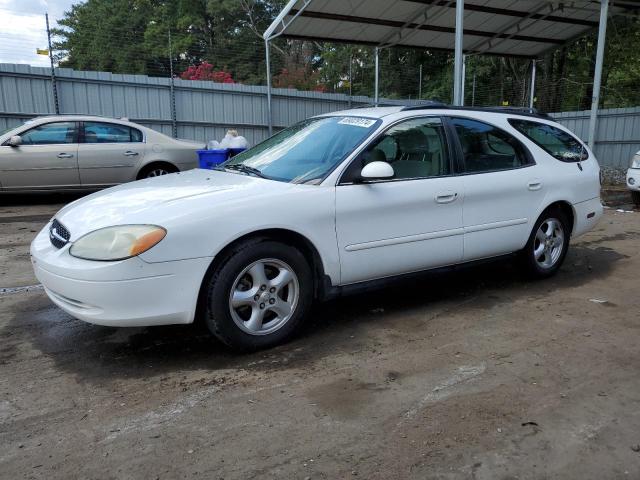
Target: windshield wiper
[[241, 167]]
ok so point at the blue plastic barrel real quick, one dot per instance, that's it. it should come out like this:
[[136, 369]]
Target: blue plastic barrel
[[234, 151], [208, 159]]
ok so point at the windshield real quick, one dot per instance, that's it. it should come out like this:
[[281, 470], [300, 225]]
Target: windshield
[[7, 130], [305, 152]]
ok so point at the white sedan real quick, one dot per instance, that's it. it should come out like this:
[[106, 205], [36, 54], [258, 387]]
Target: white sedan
[[325, 206]]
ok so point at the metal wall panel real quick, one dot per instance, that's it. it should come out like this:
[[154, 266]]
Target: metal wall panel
[[205, 110]]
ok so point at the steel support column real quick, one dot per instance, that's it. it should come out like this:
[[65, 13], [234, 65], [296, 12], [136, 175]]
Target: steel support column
[[597, 78], [532, 93], [377, 80], [457, 68], [269, 115], [464, 76]]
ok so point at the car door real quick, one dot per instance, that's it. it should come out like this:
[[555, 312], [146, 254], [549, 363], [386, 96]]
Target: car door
[[46, 158], [410, 223], [503, 189], [109, 153]]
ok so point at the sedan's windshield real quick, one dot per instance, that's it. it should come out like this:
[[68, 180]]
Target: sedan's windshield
[[305, 152]]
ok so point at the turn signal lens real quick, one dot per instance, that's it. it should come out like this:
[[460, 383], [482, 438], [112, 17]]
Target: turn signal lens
[[117, 243], [147, 241]]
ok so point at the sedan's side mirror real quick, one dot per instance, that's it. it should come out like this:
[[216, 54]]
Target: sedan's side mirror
[[15, 141], [377, 171]]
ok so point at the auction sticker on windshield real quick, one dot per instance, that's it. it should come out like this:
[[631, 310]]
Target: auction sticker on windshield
[[357, 122]]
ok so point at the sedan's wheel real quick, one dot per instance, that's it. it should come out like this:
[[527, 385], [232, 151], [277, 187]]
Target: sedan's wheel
[[548, 244], [258, 295], [157, 172]]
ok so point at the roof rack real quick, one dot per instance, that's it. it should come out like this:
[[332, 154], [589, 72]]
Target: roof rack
[[380, 104], [526, 111]]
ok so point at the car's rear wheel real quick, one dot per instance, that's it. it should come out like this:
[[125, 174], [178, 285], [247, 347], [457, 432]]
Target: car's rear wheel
[[635, 196], [156, 170], [548, 244], [259, 295]]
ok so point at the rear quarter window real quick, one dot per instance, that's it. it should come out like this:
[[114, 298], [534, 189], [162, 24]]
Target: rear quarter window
[[556, 142]]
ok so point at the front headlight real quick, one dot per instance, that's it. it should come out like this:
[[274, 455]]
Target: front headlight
[[635, 162], [117, 243]]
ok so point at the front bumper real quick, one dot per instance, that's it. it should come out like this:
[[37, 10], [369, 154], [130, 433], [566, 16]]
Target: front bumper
[[127, 293], [633, 179]]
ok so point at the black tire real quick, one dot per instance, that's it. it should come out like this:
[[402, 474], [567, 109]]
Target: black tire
[[635, 196], [533, 264], [156, 170], [219, 314]]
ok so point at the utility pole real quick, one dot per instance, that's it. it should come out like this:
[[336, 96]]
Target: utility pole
[[172, 92], [53, 72]]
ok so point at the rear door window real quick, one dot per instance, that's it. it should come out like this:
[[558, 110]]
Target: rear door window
[[103, 132], [487, 148], [557, 143]]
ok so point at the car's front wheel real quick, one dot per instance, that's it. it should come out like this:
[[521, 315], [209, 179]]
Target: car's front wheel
[[548, 244], [259, 295]]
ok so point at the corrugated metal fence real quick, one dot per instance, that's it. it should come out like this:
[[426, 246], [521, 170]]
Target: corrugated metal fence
[[204, 110]]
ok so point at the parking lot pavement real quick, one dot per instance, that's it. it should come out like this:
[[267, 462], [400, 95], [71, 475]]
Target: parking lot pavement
[[473, 374]]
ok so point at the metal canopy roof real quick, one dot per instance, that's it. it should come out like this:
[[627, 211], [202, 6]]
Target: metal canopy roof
[[522, 28]]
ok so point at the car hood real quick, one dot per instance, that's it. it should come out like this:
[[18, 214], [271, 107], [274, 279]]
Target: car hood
[[162, 200]]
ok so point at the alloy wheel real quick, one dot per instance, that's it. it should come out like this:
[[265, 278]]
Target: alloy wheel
[[264, 296], [549, 243], [156, 172]]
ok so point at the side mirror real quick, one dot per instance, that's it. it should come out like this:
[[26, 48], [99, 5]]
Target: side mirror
[[377, 171], [15, 141]]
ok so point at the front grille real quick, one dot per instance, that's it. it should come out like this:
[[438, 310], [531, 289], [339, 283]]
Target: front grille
[[58, 234]]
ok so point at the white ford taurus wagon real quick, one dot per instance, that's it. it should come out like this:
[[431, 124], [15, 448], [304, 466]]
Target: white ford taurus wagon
[[330, 203]]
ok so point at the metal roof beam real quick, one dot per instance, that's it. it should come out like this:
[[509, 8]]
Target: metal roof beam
[[410, 24], [509, 13], [429, 28], [503, 35], [375, 44]]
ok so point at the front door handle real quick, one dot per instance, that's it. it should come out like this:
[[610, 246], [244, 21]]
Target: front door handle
[[65, 155], [534, 185], [446, 197], [129, 153]]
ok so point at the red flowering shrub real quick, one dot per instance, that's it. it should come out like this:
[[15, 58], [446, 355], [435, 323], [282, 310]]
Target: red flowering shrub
[[205, 71]]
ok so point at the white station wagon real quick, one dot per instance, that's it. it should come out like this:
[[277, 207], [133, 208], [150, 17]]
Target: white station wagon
[[316, 210]]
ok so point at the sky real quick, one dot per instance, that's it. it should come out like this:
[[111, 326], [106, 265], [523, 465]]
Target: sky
[[23, 28]]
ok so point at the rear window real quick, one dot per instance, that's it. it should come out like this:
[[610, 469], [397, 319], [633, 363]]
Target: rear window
[[102, 132], [557, 143]]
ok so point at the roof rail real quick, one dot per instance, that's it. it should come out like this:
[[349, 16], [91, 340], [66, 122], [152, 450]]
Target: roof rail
[[427, 104], [526, 111], [380, 104]]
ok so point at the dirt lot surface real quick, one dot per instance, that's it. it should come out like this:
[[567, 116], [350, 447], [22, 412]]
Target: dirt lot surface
[[471, 374]]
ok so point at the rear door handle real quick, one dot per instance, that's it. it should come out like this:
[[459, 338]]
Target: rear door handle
[[65, 155], [129, 153], [534, 185], [446, 197]]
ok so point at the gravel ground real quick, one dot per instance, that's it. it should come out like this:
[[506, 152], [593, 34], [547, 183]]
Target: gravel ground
[[471, 374]]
